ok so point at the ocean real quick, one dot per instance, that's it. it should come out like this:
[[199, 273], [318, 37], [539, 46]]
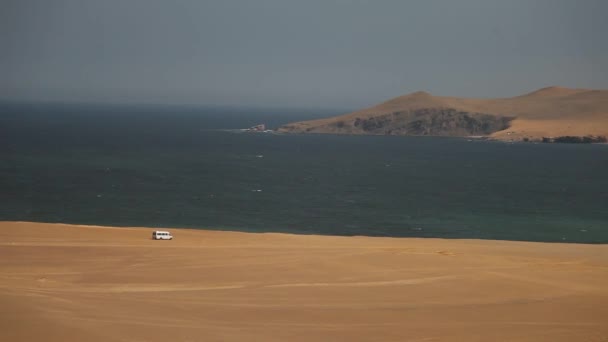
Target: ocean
[[180, 166]]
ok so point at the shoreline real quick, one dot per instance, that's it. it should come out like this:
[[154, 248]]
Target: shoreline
[[97, 283], [250, 231], [489, 138]]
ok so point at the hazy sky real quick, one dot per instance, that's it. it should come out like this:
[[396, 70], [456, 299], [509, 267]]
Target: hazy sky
[[304, 53]]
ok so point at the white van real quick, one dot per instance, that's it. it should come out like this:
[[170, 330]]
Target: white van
[[161, 235]]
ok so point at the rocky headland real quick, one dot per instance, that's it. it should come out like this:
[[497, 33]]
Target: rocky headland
[[552, 114]]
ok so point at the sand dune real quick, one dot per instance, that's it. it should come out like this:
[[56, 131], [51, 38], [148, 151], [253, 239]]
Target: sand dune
[[76, 283], [547, 112]]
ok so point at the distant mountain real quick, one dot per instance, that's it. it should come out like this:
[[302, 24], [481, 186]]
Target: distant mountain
[[547, 112]]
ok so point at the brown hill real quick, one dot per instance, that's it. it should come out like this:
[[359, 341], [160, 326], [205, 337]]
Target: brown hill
[[548, 112]]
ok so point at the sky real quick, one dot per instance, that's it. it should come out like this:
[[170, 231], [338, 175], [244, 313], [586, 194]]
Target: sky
[[296, 53]]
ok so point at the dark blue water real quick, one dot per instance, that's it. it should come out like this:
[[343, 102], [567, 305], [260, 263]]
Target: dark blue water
[[172, 167]]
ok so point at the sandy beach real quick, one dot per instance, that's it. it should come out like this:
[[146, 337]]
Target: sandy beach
[[79, 283]]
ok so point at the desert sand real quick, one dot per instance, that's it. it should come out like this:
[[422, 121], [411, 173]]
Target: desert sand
[[80, 283]]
